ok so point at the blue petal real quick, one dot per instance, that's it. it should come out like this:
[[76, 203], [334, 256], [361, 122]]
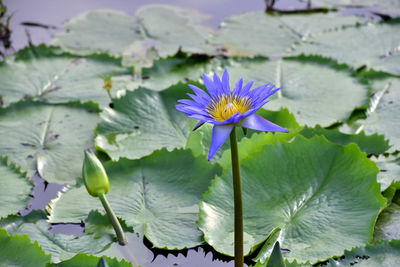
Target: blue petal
[[245, 90], [210, 86], [199, 92], [219, 136], [258, 123], [225, 82], [218, 84], [238, 87]]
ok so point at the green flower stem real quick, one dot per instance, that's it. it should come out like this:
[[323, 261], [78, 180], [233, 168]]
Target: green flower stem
[[114, 221], [238, 203]]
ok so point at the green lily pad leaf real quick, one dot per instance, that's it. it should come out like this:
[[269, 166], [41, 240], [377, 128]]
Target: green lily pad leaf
[[389, 171], [254, 143], [389, 7], [373, 45], [314, 92], [60, 246], [385, 254], [47, 139], [15, 189], [100, 31], [380, 114], [173, 29], [370, 144], [91, 261], [19, 251], [54, 78], [155, 192], [141, 122], [388, 225], [260, 34], [289, 185], [156, 31], [167, 72]]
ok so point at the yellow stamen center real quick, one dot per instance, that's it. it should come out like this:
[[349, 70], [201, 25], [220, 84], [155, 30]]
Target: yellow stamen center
[[227, 105]]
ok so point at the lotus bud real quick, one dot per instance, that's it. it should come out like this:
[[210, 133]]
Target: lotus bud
[[94, 175]]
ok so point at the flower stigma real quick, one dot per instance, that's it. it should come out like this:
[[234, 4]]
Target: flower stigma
[[225, 106]]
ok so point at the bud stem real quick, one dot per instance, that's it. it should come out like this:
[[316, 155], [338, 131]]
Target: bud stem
[[114, 221]]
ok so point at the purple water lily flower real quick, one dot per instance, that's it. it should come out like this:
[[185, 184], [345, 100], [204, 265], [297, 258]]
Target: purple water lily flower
[[226, 109]]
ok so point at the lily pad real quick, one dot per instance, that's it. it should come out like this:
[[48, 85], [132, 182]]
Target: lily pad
[[388, 225], [15, 189], [60, 246], [19, 251], [141, 122], [380, 115], [289, 185], [167, 72], [310, 88], [261, 34], [155, 31], [155, 192], [255, 143], [370, 144], [385, 254], [101, 31], [389, 171], [47, 139], [52, 78], [174, 29], [90, 260], [375, 46]]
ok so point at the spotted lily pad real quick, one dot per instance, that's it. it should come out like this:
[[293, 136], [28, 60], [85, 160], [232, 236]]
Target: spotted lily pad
[[47, 139]]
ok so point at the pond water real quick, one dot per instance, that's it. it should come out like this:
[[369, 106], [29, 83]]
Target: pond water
[[51, 14]]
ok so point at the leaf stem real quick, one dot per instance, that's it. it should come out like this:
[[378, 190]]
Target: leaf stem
[[238, 203], [114, 221]]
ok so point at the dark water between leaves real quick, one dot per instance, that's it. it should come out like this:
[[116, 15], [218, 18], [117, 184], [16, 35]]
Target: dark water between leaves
[[38, 21]]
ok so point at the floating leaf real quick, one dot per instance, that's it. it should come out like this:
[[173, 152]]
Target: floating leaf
[[385, 254], [390, 7], [289, 185], [370, 144], [101, 31], [388, 225], [254, 143], [14, 190], [19, 251], [156, 192], [260, 34], [174, 29], [60, 246], [389, 171], [47, 77], [90, 260], [47, 139], [141, 122], [381, 116], [156, 30], [315, 93], [167, 72], [373, 45]]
